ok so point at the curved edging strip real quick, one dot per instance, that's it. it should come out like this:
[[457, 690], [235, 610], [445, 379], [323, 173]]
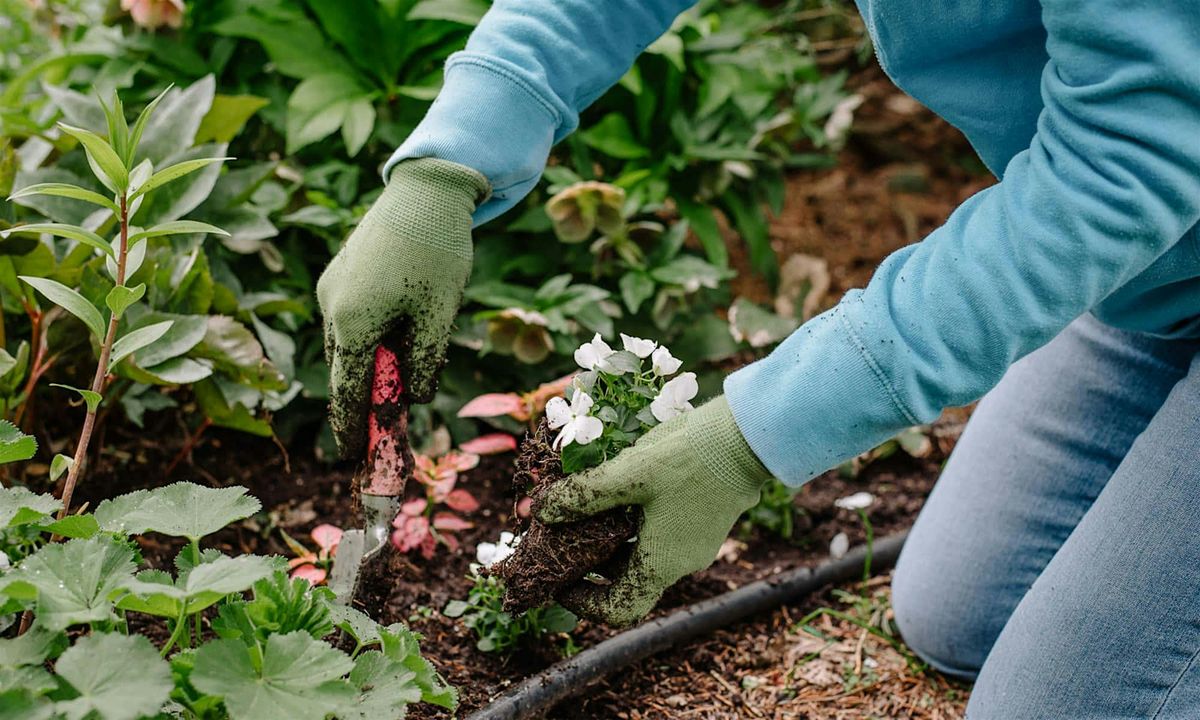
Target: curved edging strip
[[539, 693]]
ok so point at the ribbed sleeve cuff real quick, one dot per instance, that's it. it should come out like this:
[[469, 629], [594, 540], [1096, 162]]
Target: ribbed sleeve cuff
[[491, 119], [816, 401]]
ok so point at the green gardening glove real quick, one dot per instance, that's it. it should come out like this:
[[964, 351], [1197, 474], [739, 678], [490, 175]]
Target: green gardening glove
[[403, 268], [692, 476]]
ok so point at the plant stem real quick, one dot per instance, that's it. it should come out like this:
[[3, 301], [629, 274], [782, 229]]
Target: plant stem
[[862, 514], [101, 376], [180, 626]]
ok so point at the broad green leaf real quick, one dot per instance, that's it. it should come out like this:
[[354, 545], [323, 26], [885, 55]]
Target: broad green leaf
[[67, 191], [236, 350], [178, 227], [33, 679], [77, 109], [134, 258], [357, 125], [176, 371], [32, 648], [109, 167], [73, 526], [402, 645], [356, 624], [118, 677], [466, 12], [18, 506], [320, 104], [91, 397], [139, 126], [704, 223], [228, 414], [14, 444], [72, 581], [299, 678], [228, 114], [181, 509], [186, 332], [691, 273], [199, 588], [135, 340], [636, 288], [174, 172], [59, 465], [7, 362], [613, 136], [385, 688], [69, 300], [122, 296], [172, 126], [67, 231]]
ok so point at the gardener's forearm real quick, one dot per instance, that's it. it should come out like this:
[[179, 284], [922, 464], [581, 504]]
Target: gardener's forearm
[[1110, 182], [528, 70]]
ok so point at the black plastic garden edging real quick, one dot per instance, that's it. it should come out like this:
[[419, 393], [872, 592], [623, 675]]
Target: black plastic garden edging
[[539, 693]]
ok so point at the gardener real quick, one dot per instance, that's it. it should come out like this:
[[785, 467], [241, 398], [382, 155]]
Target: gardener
[[1056, 560]]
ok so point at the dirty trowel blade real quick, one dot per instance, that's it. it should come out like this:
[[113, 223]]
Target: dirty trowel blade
[[344, 578]]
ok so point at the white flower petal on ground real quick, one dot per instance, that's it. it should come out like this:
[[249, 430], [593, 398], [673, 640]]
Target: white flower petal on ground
[[675, 397], [664, 362], [638, 346], [857, 501], [839, 546], [577, 426]]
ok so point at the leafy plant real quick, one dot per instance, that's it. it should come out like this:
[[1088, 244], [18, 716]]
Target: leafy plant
[[775, 512]]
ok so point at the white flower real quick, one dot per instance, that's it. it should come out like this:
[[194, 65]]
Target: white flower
[[675, 397], [594, 356], [840, 119], [857, 501], [664, 362], [839, 545], [5, 563], [576, 425], [488, 554], [638, 346]]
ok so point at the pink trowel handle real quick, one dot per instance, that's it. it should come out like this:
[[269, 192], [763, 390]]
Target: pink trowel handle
[[389, 460]]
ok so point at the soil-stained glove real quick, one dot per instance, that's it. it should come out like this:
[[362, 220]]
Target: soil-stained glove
[[404, 267], [692, 476]]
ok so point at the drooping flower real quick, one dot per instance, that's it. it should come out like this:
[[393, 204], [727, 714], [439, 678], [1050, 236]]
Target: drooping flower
[[152, 14], [577, 426], [675, 397], [664, 363], [488, 554], [839, 546], [638, 346], [595, 355], [857, 501]]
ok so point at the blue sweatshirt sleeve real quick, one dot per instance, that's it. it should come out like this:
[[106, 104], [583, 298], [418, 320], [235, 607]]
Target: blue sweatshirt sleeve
[[1110, 182], [529, 69]]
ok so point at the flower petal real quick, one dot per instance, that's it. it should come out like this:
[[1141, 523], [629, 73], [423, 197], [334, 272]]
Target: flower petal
[[581, 403], [857, 501], [638, 346], [450, 522], [663, 362], [462, 501], [587, 429], [491, 444], [558, 413]]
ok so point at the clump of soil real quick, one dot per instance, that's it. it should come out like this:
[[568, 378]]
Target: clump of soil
[[551, 559]]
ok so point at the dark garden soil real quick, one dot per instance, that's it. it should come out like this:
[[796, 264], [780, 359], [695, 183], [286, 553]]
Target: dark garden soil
[[900, 176]]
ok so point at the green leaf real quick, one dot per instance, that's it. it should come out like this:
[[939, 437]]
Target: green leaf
[[236, 351], [691, 273], [228, 114], [178, 227], [122, 296], [465, 12], [118, 129], [386, 688], [35, 680], [59, 465], [32, 648], [186, 332], [139, 126], [73, 526], [118, 677], [299, 678], [704, 223], [14, 444], [613, 136], [356, 624], [69, 300], [201, 587], [320, 104], [357, 124], [72, 581], [403, 646], [636, 288], [176, 118], [67, 191], [72, 232], [181, 509], [174, 172], [136, 340], [108, 166], [20, 506], [134, 258], [92, 398]]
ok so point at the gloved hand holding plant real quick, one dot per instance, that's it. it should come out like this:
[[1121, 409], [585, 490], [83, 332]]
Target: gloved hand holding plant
[[641, 464]]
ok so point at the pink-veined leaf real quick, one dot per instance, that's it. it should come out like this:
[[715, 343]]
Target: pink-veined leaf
[[411, 534], [412, 508], [459, 461], [327, 538], [450, 522], [491, 444], [462, 501], [492, 405], [313, 574]]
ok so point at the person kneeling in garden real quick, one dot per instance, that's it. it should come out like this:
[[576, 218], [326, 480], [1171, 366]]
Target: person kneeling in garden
[[1055, 561]]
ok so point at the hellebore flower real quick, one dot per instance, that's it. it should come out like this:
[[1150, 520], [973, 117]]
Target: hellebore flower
[[594, 356], [577, 426], [638, 346], [488, 554], [152, 14], [675, 397], [664, 362], [857, 501], [579, 210]]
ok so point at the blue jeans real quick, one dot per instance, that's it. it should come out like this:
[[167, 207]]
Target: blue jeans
[[1057, 561]]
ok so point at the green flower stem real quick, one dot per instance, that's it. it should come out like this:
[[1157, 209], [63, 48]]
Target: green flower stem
[[180, 626], [862, 514]]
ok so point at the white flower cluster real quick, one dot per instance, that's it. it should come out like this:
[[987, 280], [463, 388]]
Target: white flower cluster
[[574, 421], [488, 554]]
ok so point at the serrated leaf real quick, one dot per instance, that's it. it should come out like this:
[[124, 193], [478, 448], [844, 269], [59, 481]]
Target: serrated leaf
[[356, 624], [134, 258], [135, 340], [92, 398], [403, 646], [19, 506], [112, 170], [118, 677], [174, 172], [178, 227], [14, 444], [299, 678], [69, 300], [32, 648], [385, 688], [181, 509], [67, 191], [34, 679], [73, 526], [72, 581], [199, 588], [121, 297], [87, 237]]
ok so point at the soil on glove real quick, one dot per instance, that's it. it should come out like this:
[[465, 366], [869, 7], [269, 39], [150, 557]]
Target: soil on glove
[[552, 558]]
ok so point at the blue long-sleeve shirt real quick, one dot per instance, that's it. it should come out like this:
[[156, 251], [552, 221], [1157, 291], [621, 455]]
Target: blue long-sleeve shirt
[[1088, 112]]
